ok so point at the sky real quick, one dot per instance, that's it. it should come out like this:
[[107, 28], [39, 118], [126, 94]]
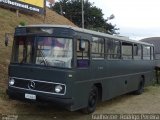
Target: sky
[[136, 19]]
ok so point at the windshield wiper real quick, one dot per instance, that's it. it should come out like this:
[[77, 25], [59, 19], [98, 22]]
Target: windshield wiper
[[43, 58]]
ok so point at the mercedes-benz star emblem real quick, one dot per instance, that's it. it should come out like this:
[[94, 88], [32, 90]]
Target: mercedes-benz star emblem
[[31, 85]]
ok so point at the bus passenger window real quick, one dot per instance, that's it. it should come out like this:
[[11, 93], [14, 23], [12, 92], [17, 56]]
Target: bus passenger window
[[127, 50], [146, 52], [152, 53], [112, 49], [137, 52], [97, 48], [82, 53]]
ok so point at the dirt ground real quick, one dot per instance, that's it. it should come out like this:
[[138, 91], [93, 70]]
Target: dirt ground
[[147, 103]]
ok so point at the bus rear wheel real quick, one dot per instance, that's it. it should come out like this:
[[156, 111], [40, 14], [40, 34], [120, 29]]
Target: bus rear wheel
[[92, 101]]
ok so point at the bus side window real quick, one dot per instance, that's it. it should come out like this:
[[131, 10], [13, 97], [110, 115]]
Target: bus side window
[[146, 52], [97, 48], [152, 53], [137, 52], [127, 50], [112, 49], [82, 53]]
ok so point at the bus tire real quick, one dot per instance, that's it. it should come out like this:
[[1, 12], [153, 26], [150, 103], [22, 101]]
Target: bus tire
[[92, 101], [140, 88]]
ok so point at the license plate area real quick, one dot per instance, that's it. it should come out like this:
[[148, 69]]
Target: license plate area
[[30, 96]]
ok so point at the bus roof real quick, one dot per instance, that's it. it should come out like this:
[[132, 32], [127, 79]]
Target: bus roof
[[122, 38]]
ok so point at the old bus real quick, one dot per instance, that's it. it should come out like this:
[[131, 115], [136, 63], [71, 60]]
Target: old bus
[[76, 67]]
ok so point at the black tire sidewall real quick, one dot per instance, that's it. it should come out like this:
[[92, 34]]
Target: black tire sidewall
[[94, 90]]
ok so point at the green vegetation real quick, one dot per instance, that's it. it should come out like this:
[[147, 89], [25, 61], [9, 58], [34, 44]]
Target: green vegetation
[[93, 16], [23, 23]]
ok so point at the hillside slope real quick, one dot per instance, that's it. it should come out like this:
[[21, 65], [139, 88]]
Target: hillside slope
[[9, 20]]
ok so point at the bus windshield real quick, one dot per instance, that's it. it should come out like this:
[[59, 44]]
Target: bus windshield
[[47, 51]]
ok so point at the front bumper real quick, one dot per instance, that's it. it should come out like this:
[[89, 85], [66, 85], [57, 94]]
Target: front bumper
[[19, 94]]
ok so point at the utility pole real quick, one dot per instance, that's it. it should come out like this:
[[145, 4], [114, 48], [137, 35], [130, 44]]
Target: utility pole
[[61, 10], [82, 13]]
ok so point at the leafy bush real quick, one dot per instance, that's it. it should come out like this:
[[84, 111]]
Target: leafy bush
[[22, 23]]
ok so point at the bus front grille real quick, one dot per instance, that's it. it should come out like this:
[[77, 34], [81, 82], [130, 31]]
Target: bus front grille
[[37, 85]]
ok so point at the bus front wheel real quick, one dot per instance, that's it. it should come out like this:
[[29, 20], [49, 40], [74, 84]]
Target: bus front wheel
[[92, 101]]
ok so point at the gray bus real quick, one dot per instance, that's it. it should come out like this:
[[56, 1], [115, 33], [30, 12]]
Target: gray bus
[[75, 67]]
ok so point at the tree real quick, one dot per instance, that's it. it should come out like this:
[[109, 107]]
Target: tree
[[93, 16]]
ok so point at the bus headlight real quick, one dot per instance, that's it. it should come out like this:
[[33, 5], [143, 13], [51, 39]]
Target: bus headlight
[[58, 88], [11, 81]]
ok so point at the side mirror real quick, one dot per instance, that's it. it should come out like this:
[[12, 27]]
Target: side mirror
[[82, 45]]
